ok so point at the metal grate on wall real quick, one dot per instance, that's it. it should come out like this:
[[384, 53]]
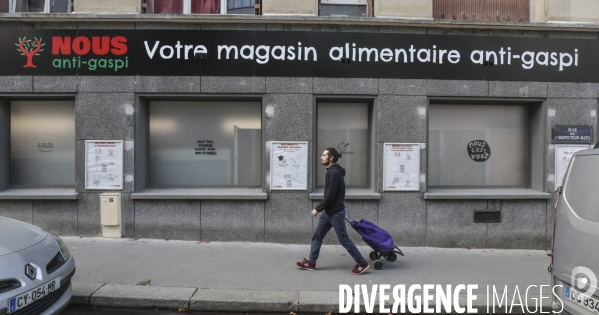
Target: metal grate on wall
[[487, 216], [482, 10]]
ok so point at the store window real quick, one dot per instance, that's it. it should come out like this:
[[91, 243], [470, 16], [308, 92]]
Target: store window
[[344, 8], [42, 143], [200, 143], [42, 6], [479, 145], [346, 127], [204, 6]]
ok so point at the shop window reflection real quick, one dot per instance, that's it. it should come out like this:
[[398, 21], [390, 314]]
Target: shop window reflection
[[345, 126], [205, 144], [42, 144], [479, 146]]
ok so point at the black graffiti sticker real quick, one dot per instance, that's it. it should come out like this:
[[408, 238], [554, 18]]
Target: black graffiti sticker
[[479, 150]]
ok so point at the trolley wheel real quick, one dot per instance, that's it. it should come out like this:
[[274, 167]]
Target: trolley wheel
[[375, 255], [372, 255], [378, 265], [391, 257]]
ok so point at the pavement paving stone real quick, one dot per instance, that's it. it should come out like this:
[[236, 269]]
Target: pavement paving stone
[[142, 297], [218, 300]]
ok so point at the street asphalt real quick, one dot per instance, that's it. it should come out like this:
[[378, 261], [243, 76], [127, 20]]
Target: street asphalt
[[262, 277]]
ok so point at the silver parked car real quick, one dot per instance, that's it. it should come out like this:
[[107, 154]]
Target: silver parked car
[[575, 252], [35, 270]]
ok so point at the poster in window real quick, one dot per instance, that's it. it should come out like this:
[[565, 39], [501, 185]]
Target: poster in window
[[401, 169], [563, 155], [104, 164], [288, 165]]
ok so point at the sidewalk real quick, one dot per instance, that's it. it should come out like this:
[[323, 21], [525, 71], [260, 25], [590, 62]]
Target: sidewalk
[[262, 277]]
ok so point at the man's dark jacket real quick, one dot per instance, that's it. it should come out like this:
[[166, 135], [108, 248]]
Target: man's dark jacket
[[334, 190]]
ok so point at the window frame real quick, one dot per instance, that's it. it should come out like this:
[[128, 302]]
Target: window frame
[[12, 6], [226, 6], [537, 177], [367, 3], [529, 153], [372, 164], [346, 2], [187, 7], [142, 138], [5, 133]]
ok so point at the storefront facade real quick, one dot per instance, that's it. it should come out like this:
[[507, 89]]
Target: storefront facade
[[198, 106]]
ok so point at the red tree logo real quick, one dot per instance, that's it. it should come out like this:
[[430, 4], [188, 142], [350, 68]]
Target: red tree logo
[[30, 48]]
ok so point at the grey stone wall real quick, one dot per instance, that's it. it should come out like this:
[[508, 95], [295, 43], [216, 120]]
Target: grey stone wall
[[106, 110]]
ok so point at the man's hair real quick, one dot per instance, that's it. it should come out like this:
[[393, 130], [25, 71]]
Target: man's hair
[[334, 154]]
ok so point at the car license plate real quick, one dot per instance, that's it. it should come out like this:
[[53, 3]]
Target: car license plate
[[587, 302], [22, 300]]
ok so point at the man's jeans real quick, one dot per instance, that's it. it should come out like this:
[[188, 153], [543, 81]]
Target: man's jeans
[[336, 221]]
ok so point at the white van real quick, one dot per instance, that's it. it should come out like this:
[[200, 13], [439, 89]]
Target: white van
[[575, 249]]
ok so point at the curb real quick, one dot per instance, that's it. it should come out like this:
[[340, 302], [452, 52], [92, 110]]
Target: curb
[[82, 292], [221, 300], [217, 300], [142, 297]]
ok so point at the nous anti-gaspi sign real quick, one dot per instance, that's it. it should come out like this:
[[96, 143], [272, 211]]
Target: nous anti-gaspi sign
[[301, 54]]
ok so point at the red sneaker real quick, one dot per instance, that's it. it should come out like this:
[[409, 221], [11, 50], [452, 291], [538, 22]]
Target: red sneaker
[[305, 264], [358, 270]]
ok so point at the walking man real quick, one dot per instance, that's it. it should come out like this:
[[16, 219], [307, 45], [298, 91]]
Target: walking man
[[333, 216]]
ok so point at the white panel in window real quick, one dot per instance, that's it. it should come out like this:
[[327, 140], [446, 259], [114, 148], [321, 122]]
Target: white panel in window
[[505, 129], [345, 126], [42, 143], [205, 143]]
